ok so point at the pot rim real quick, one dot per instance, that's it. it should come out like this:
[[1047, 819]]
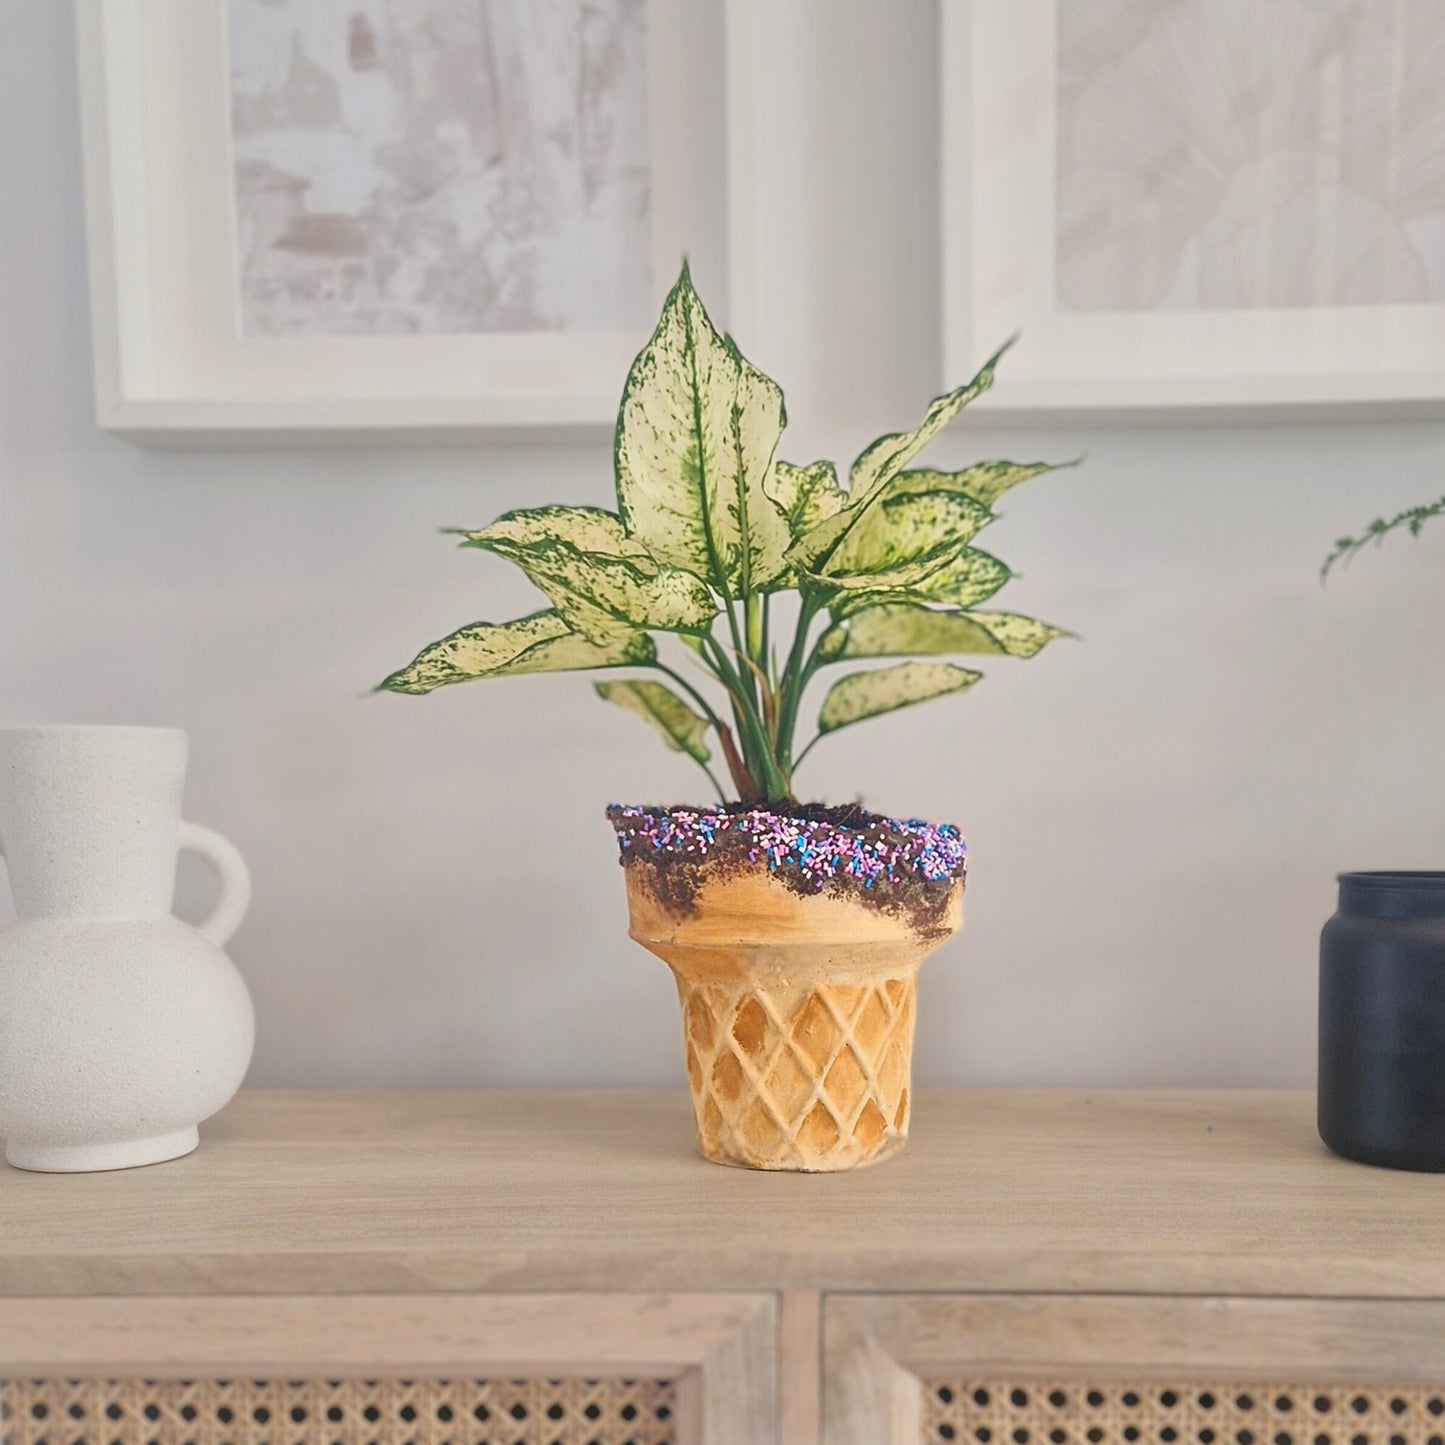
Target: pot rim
[[1394, 879], [816, 849]]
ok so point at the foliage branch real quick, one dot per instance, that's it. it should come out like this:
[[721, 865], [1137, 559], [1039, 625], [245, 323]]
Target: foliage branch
[[1412, 519]]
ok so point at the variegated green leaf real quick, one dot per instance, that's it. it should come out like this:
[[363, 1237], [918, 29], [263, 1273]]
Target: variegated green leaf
[[890, 454], [808, 495], [589, 529], [867, 694], [900, 629], [882, 461], [901, 539], [603, 582], [971, 577], [540, 643], [695, 440], [681, 728], [985, 482]]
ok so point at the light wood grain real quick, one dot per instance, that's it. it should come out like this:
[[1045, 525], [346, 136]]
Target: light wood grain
[[869, 1396], [722, 1349], [1174, 1192], [878, 1349], [560, 1333], [800, 1365], [1152, 1336], [737, 1385]]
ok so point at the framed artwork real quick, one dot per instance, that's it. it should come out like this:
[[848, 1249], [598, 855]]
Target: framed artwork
[[354, 217], [1191, 205]]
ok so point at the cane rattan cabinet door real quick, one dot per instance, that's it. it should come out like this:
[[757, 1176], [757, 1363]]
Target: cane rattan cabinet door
[[555, 1369], [1119, 1370]]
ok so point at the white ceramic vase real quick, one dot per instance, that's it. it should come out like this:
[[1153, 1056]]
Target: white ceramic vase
[[121, 1027]]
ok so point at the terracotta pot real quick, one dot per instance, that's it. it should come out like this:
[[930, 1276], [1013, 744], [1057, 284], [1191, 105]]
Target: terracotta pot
[[797, 1014]]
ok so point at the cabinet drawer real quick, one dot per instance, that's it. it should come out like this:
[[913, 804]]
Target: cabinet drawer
[[515, 1369], [1114, 1370], [328, 1411]]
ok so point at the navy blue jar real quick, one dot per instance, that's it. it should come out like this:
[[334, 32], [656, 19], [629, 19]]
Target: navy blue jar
[[1382, 1021]]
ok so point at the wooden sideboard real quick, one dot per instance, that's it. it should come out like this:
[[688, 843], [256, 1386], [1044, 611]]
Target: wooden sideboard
[[1045, 1268]]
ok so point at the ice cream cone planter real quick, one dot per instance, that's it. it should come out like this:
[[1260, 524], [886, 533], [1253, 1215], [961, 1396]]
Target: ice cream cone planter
[[794, 931], [795, 944]]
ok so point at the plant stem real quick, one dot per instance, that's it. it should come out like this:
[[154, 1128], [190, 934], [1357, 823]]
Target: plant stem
[[794, 680], [717, 659], [768, 701], [744, 710], [762, 761], [707, 712], [753, 621], [812, 743], [747, 785], [690, 690], [810, 668], [737, 637]]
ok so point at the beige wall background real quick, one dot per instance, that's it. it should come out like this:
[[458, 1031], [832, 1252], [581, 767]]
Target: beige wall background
[[1156, 814]]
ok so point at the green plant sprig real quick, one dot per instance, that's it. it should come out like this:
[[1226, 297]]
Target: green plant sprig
[[711, 524], [1412, 519]]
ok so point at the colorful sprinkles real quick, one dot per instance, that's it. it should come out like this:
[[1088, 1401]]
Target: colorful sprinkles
[[882, 850]]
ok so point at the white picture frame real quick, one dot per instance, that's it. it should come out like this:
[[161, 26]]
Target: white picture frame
[[171, 365], [999, 122]]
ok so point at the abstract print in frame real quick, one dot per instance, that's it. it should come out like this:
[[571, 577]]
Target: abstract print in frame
[[356, 216], [1189, 204], [445, 165]]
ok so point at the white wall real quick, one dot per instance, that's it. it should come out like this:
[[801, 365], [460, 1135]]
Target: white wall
[[1156, 814]]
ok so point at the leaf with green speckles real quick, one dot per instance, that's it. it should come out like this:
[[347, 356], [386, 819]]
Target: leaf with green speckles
[[540, 643], [682, 729], [603, 582], [696, 435], [971, 577], [880, 463], [985, 482], [901, 540], [900, 629], [807, 495], [869, 694]]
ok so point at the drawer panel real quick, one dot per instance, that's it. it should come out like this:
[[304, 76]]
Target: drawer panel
[[337, 1412], [1132, 1370], [1101, 1408], [500, 1369]]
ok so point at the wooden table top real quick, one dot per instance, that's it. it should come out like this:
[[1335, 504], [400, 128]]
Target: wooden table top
[[1126, 1191]]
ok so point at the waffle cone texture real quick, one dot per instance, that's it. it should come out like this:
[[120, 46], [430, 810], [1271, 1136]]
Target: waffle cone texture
[[798, 1017]]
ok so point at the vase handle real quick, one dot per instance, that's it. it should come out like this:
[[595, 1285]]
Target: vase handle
[[235, 879]]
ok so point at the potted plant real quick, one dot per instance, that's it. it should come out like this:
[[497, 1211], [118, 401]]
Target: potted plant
[[1382, 989], [794, 930]]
